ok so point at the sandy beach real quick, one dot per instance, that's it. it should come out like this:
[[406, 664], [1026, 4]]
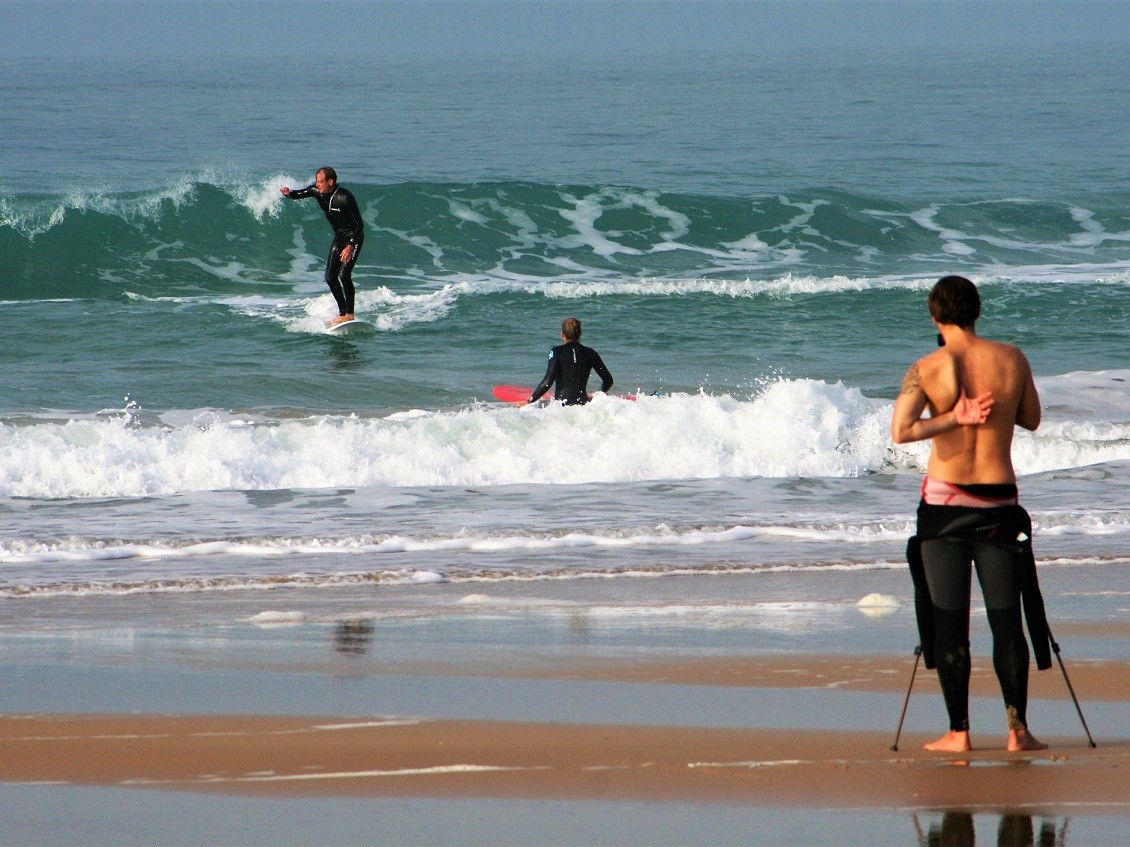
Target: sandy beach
[[389, 756], [472, 729], [318, 756]]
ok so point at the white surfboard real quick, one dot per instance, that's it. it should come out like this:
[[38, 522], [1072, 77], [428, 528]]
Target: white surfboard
[[353, 327]]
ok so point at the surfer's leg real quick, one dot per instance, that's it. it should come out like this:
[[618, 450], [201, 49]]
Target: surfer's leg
[[948, 566], [333, 271], [998, 571], [346, 283]]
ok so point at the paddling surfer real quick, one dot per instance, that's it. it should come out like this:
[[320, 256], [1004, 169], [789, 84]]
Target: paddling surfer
[[340, 208], [977, 392], [569, 367]]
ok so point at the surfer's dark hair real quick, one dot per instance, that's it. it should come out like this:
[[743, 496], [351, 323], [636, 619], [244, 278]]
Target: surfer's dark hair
[[571, 329], [954, 300], [328, 173]]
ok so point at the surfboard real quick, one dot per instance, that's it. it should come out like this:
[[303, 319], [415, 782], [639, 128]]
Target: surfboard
[[520, 394], [512, 393], [354, 327]]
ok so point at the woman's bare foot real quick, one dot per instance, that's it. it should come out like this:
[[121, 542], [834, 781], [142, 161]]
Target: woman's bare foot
[[951, 742], [1022, 739]]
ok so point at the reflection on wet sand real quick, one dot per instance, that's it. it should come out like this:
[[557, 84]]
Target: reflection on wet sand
[[956, 829], [353, 637]]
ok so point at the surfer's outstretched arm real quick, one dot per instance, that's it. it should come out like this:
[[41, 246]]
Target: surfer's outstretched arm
[[297, 193]]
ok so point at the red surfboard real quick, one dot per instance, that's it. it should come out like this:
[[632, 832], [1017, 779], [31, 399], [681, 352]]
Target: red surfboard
[[520, 394], [512, 393]]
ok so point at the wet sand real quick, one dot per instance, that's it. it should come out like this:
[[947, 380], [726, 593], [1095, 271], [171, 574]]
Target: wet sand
[[1101, 680], [481, 729], [319, 756]]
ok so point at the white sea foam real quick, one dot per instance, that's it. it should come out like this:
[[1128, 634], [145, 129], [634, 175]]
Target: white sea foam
[[958, 242], [264, 199], [751, 763], [778, 616], [78, 549], [381, 722], [392, 311], [307, 314], [35, 218], [798, 428], [306, 307], [878, 605], [584, 213], [92, 582], [332, 775], [433, 771], [791, 428], [272, 619], [878, 601]]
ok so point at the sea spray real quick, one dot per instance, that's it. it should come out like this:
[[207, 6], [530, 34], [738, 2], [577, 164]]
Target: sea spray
[[789, 428]]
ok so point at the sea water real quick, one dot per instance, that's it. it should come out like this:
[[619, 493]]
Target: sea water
[[746, 227]]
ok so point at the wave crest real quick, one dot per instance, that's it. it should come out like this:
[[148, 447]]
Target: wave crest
[[608, 239], [790, 428]]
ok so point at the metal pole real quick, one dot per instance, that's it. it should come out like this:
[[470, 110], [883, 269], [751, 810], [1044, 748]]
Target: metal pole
[[1071, 690], [898, 732]]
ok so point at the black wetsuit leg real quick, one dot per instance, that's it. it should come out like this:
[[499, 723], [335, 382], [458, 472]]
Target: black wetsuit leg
[[339, 276], [948, 569], [999, 574], [947, 564]]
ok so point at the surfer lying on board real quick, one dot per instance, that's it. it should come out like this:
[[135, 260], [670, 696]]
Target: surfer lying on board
[[341, 211], [977, 392], [569, 367]]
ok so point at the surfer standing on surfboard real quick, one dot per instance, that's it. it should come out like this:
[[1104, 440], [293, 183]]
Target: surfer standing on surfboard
[[569, 367], [340, 208]]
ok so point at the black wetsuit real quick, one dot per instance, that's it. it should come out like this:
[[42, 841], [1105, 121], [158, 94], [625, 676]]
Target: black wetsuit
[[569, 367], [340, 208], [998, 540]]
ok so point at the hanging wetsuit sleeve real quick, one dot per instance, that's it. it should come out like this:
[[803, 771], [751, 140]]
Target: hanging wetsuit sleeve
[[1035, 615]]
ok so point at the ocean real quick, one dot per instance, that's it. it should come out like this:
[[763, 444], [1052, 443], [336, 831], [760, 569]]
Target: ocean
[[746, 228]]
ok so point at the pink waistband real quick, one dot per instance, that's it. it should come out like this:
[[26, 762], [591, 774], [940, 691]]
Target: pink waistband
[[935, 492]]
